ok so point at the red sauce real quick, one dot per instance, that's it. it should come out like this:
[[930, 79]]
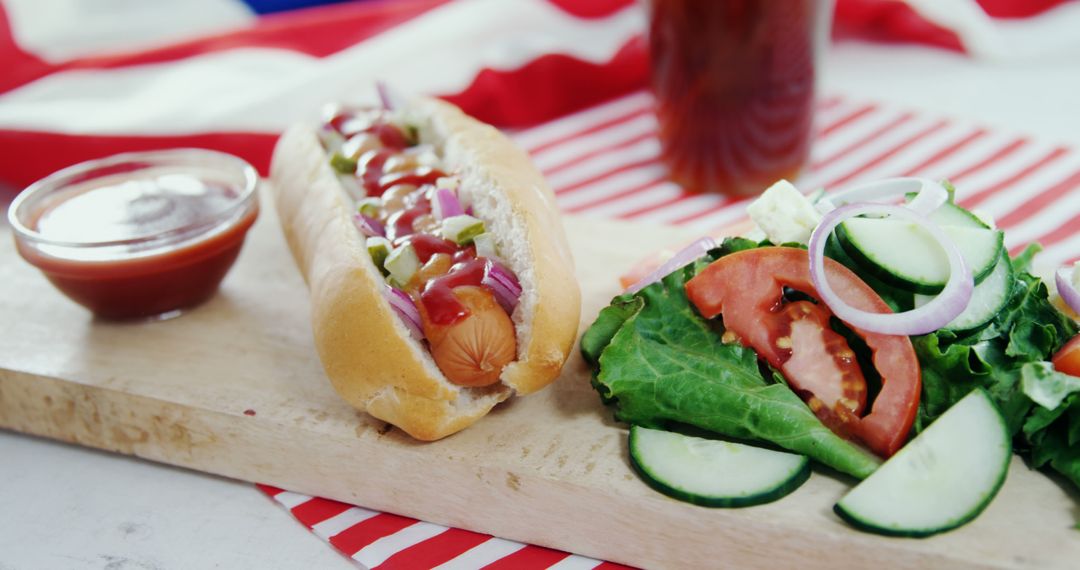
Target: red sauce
[[437, 293], [389, 135], [370, 170], [418, 177], [351, 122], [438, 298], [400, 223], [139, 274], [427, 245]]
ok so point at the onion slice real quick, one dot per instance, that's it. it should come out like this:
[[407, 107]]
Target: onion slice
[[930, 195], [684, 257], [503, 284], [390, 98], [384, 95], [945, 307], [445, 204], [1065, 288], [406, 309], [369, 226]]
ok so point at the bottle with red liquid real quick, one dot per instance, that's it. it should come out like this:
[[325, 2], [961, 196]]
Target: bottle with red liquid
[[734, 83]]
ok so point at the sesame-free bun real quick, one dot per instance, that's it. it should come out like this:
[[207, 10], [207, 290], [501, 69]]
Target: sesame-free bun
[[368, 354]]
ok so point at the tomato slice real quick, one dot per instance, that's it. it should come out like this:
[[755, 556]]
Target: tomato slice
[[748, 286], [1067, 360]]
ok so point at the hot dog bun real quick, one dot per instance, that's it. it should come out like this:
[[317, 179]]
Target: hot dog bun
[[368, 354]]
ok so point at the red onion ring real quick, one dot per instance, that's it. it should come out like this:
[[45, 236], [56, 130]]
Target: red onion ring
[[1066, 290], [503, 284], [384, 95], [684, 257], [390, 98], [406, 309], [930, 194], [945, 307]]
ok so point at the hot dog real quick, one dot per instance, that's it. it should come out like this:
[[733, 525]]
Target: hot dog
[[440, 279]]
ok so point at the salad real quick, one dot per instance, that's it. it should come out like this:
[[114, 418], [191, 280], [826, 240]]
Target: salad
[[883, 332]]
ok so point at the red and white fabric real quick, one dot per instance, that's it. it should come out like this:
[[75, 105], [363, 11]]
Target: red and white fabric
[[87, 79]]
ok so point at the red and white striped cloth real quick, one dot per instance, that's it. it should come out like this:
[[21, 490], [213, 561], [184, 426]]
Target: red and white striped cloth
[[604, 162], [388, 542]]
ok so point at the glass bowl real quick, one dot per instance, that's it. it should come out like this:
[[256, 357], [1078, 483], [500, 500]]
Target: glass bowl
[[139, 235]]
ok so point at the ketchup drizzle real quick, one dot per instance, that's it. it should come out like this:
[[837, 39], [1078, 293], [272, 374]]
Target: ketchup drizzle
[[427, 245], [442, 305], [437, 294], [419, 177], [370, 170]]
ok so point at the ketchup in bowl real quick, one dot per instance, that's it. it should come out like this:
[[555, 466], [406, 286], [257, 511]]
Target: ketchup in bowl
[[139, 235]]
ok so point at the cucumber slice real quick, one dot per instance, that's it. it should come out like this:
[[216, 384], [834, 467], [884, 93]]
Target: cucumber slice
[[899, 300], [714, 473], [949, 214], [402, 264], [462, 229], [986, 301], [942, 479], [901, 253], [379, 248]]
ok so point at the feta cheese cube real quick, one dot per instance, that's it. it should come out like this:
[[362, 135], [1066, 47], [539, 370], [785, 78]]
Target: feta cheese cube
[[784, 214]]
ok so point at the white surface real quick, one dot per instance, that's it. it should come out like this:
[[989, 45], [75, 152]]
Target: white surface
[[1032, 96], [67, 507]]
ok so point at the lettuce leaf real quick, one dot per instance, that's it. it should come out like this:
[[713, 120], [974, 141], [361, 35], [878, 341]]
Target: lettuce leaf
[[1008, 358], [659, 363]]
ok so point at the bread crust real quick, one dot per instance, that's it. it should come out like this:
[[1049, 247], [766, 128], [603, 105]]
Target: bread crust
[[366, 351]]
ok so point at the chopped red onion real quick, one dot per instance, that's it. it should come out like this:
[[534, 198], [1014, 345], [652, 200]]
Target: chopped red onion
[[1065, 288], [391, 99], [406, 310], [503, 284], [684, 257], [945, 307], [930, 194], [369, 226], [445, 204], [384, 95]]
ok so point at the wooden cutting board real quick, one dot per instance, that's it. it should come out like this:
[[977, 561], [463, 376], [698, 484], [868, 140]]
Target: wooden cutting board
[[234, 388]]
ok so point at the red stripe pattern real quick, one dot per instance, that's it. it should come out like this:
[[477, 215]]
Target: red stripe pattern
[[604, 162]]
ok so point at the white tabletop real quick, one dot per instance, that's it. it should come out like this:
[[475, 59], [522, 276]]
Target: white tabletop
[[63, 506]]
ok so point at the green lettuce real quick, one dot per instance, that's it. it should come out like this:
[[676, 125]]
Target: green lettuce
[[660, 364]]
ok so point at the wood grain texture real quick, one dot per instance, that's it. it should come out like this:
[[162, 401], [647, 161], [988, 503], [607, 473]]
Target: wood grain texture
[[548, 469]]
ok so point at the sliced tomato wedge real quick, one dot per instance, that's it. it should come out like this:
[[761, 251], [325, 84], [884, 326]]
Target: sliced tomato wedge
[[1067, 360], [748, 289]]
